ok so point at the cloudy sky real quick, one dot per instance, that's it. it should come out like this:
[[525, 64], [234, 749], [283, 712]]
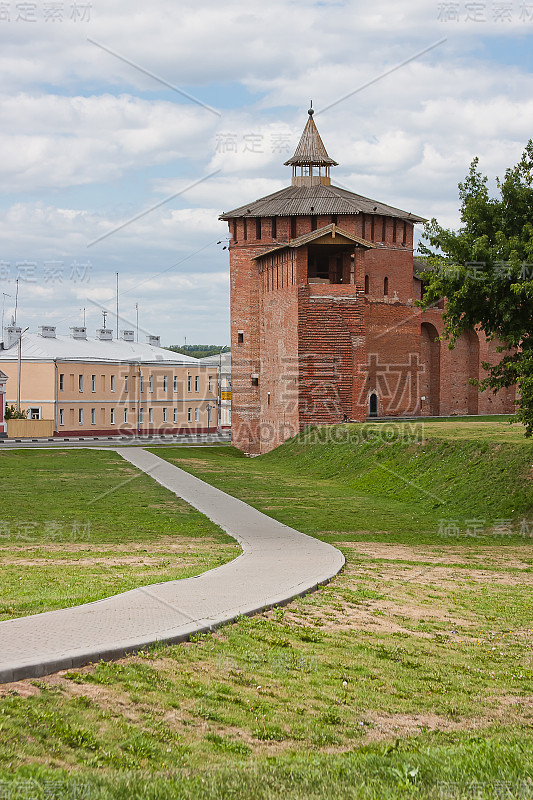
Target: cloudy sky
[[126, 128]]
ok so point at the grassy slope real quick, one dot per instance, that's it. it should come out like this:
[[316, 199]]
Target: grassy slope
[[71, 521], [397, 490]]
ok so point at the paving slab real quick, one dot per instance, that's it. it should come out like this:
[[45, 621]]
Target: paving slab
[[277, 564]]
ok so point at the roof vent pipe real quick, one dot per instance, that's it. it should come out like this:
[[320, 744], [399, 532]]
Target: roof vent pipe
[[11, 336], [78, 333], [47, 331]]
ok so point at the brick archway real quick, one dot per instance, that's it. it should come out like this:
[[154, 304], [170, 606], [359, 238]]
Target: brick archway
[[430, 377], [472, 370]]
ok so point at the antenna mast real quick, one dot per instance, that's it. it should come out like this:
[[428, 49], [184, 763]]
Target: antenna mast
[[16, 302], [3, 310], [118, 334]]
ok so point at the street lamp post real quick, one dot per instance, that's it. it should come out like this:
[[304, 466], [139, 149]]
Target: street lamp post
[[19, 370]]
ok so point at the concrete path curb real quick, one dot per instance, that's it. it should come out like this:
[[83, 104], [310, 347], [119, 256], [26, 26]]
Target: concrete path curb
[[278, 563]]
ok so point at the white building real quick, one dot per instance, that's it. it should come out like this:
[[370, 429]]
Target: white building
[[102, 385]]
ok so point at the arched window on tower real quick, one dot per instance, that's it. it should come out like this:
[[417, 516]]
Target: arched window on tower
[[367, 284], [386, 286]]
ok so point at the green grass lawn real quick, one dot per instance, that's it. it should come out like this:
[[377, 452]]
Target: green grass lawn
[[80, 525], [409, 676]]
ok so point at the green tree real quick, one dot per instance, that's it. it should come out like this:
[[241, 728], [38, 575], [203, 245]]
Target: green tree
[[198, 350], [485, 272], [12, 413]]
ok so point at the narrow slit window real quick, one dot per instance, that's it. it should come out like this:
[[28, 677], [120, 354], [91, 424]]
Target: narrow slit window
[[293, 227]]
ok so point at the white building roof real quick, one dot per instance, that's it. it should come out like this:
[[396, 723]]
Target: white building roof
[[216, 359], [64, 348]]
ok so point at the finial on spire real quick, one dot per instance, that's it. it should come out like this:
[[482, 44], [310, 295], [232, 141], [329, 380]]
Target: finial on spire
[[311, 110]]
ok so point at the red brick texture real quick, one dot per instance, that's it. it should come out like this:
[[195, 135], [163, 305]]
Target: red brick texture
[[306, 351]]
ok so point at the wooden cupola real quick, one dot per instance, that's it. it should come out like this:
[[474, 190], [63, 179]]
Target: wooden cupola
[[310, 162]]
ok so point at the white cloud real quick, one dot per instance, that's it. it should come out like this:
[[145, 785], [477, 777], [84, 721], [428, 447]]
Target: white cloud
[[87, 141]]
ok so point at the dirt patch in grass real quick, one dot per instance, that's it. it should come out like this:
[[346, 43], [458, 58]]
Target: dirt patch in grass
[[510, 557], [445, 577], [166, 544], [116, 561], [364, 617]]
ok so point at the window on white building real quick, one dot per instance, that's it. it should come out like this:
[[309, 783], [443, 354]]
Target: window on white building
[[151, 383], [126, 383], [112, 416], [125, 415], [189, 415], [196, 414], [165, 383], [80, 416], [150, 415], [61, 416], [112, 383], [175, 415], [164, 415], [61, 383], [93, 383], [175, 383], [189, 383], [211, 383], [141, 415], [80, 383], [93, 416], [196, 383]]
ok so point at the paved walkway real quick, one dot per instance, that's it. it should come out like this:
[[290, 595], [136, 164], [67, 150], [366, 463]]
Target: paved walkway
[[277, 564]]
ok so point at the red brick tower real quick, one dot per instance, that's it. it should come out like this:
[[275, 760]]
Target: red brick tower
[[323, 322], [298, 260]]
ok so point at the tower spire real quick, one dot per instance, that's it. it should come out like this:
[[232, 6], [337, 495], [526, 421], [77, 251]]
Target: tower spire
[[310, 162]]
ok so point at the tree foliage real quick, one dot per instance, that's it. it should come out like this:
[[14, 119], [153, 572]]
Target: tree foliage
[[485, 272], [12, 413], [198, 350]]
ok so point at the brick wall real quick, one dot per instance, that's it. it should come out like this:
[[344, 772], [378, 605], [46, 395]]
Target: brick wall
[[321, 350]]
